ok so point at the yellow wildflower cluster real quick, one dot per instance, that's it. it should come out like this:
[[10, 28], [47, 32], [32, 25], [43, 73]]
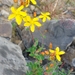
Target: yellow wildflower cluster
[[45, 16], [17, 14], [21, 15], [56, 53], [32, 22]]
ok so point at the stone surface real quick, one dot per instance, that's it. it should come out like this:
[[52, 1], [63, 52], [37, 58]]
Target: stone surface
[[7, 2], [5, 28], [4, 13], [0, 4], [69, 56], [12, 61], [58, 32]]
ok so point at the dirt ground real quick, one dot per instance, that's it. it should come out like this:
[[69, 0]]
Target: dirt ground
[[59, 9]]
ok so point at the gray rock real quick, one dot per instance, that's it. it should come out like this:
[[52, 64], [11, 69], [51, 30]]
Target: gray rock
[[5, 29], [7, 2], [58, 32], [32, 7], [0, 14], [69, 56], [73, 62], [12, 61], [4, 13], [0, 4]]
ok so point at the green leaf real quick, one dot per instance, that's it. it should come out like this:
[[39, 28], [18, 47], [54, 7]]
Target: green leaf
[[27, 28], [36, 43], [31, 55], [14, 24], [54, 73], [29, 73]]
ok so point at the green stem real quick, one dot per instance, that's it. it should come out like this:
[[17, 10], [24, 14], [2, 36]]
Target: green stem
[[32, 36], [38, 7]]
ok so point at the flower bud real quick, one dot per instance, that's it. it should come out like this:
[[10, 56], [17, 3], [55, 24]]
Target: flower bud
[[15, 1]]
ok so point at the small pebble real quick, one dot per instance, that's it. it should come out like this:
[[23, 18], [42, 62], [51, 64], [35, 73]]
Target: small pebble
[[0, 14], [1, 4], [4, 13]]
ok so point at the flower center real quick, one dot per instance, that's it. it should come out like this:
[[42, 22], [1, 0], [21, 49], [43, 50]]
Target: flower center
[[32, 22]]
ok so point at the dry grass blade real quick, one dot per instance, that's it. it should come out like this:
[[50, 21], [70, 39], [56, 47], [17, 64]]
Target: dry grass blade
[[55, 5]]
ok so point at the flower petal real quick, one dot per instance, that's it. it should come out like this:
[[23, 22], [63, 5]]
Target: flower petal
[[44, 19], [48, 18], [35, 19], [24, 19], [61, 52], [27, 3], [27, 24], [37, 24], [33, 1], [18, 19], [57, 49], [20, 8], [23, 13], [58, 57], [13, 9], [11, 16], [47, 13], [32, 28], [28, 18], [40, 16], [51, 51], [42, 13]]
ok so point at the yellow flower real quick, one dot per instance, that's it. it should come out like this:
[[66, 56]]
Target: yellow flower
[[31, 22], [17, 14], [28, 2], [45, 16], [57, 53]]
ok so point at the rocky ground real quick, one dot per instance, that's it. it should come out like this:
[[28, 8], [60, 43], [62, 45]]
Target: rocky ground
[[59, 9], [60, 30], [12, 61]]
